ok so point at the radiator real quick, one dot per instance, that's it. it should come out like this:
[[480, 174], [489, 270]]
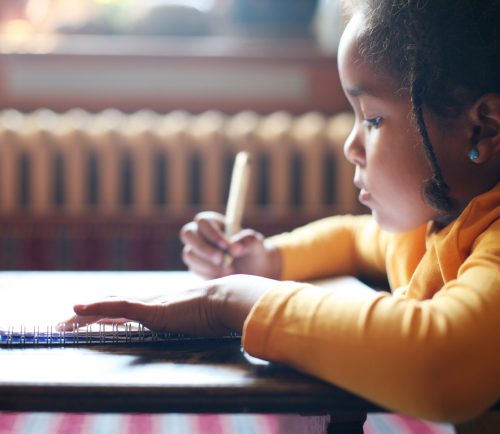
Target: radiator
[[145, 163], [110, 190]]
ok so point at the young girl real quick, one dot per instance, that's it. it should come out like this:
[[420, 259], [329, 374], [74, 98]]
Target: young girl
[[423, 78]]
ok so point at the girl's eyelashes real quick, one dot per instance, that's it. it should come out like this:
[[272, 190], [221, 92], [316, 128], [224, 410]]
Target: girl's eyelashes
[[375, 122]]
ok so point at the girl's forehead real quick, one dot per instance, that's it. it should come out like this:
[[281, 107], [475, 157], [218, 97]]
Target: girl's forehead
[[357, 74], [352, 31], [349, 57]]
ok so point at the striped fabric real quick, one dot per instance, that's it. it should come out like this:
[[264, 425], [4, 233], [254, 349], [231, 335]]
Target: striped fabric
[[76, 423], [397, 424]]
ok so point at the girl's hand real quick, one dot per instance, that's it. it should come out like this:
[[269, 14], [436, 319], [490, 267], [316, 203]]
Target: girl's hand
[[215, 308], [206, 245]]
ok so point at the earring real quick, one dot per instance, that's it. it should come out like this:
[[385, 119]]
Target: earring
[[474, 154]]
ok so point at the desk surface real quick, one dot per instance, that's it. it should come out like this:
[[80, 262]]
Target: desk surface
[[179, 376]]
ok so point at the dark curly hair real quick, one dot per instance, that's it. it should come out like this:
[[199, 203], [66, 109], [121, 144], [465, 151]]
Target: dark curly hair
[[445, 53]]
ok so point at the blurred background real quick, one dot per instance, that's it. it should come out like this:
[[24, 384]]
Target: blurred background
[[120, 119]]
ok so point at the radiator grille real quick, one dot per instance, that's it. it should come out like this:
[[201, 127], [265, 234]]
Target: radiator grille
[[148, 163]]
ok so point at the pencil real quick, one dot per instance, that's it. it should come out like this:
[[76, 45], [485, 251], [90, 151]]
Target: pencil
[[237, 196]]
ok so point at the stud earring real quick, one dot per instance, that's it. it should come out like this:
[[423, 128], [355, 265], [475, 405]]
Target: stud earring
[[474, 154]]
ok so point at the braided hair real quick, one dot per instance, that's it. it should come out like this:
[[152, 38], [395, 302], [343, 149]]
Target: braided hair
[[444, 53]]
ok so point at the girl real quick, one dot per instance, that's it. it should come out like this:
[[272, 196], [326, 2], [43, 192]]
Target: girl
[[423, 78]]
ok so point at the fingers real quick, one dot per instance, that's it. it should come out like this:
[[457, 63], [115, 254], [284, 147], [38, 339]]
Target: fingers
[[132, 310], [76, 321], [211, 226], [205, 232], [109, 310], [113, 321], [208, 226], [189, 312], [205, 251], [206, 246], [206, 269], [246, 242]]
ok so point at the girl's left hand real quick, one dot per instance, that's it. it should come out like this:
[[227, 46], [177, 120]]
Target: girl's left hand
[[214, 308]]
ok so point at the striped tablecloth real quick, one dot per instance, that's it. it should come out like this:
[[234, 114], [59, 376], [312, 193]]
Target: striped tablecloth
[[82, 423]]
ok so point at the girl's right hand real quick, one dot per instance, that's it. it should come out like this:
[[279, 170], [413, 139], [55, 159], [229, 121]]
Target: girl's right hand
[[206, 246]]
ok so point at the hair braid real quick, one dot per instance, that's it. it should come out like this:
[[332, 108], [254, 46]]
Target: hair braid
[[436, 190]]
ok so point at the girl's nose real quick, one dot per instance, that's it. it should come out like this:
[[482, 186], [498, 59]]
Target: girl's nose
[[353, 148]]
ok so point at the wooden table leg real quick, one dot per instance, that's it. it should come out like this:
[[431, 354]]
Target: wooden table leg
[[302, 424], [346, 423]]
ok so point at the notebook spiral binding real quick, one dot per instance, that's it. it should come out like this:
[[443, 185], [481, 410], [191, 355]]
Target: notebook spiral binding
[[90, 334]]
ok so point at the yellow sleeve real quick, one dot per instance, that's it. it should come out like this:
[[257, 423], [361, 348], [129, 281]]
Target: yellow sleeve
[[437, 359], [336, 245]]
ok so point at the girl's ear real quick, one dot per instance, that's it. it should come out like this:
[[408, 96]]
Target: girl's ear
[[485, 119]]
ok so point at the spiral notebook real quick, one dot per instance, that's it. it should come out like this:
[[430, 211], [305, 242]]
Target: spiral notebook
[[130, 333], [31, 304]]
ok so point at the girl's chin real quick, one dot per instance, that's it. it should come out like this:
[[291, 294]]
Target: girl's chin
[[364, 197], [395, 225]]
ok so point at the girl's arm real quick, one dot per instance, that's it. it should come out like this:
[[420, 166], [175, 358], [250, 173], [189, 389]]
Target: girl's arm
[[339, 245], [437, 358]]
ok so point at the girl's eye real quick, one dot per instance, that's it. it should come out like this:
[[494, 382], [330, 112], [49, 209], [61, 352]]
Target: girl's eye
[[375, 122]]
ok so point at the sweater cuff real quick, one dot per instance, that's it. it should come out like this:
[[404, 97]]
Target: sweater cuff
[[258, 326]]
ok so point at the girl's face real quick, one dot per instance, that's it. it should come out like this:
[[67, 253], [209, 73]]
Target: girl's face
[[384, 144]]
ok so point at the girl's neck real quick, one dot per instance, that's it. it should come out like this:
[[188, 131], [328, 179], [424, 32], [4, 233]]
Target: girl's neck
[[443, 220]]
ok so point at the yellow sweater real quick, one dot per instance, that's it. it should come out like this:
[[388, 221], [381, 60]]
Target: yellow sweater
[[430, 349]]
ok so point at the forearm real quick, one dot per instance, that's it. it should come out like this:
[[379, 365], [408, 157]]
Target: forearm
[[422, 358], [332, 246], [232, 298]]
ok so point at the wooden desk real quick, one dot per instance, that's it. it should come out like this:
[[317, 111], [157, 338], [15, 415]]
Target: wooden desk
[[205, 376]]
